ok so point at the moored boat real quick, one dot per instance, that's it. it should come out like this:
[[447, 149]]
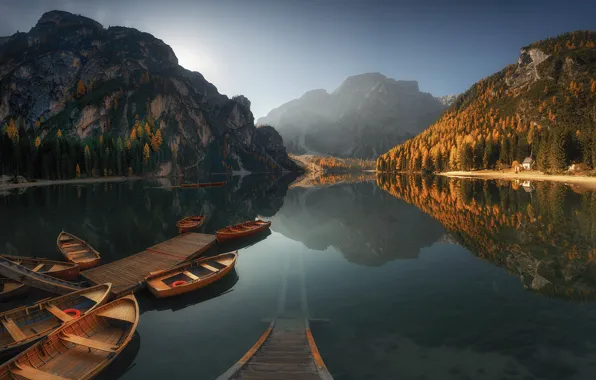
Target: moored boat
[[198, 185], [26, 324], [10, 289], [80, 349], [29, 277], [191, 276], [58, 269], [77, 250], [242, 230], [190, 222]]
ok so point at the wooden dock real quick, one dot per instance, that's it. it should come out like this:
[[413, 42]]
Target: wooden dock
[[286, 350], [128, 274]]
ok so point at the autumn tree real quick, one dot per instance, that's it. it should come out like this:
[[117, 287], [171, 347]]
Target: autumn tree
[[146, 153], [81, 88]]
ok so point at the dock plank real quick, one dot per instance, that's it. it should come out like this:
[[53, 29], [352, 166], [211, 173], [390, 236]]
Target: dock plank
[[282, 352], [128, 274]]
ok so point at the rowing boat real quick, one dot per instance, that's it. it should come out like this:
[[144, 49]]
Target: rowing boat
[[242, 230], [58, 269], [190, 222], [191, 276], [29, 277], [80, 349], [10, 289], [77, 250], [26, 324], [198, 185]]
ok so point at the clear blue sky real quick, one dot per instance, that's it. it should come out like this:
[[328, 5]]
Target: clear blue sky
[[273, 51]]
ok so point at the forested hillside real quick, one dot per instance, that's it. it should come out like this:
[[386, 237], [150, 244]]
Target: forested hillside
[[543, 106], [80, 99]]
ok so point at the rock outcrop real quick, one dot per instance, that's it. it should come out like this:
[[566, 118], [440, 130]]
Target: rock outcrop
[[362, 118], [70, 73]]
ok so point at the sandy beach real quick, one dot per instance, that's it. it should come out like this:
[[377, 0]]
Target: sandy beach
[[584, 181]]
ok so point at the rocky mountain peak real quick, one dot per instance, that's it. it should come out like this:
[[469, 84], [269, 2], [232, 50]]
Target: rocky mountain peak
[[57, 18]]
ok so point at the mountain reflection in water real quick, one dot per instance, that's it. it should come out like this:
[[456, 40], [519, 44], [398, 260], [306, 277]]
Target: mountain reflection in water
[[417, 276], [546, 236]]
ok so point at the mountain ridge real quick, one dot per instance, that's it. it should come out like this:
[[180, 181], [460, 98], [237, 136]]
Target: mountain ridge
[[363, 116], [72, 82]]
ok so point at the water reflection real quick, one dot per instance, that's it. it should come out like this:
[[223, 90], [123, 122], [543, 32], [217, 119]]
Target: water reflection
[[358, 220], [546, 236]]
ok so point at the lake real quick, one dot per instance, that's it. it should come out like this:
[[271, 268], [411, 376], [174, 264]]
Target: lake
[[405, 277]]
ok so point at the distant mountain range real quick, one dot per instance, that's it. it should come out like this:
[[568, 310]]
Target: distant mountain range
[[365, 116]]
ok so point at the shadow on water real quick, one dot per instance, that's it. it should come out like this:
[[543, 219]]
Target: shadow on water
[[124, 362], [147, 302], [235, 245]]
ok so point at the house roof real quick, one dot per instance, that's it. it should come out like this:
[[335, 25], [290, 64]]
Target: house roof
[[528, 160]]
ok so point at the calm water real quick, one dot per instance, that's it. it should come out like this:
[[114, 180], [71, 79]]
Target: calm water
[[409, 277]]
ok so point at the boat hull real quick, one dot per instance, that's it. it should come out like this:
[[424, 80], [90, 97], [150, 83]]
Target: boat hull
[[44, 322], [66, 270], [80, 349], [91, 259], [191, 286], [224, 236]]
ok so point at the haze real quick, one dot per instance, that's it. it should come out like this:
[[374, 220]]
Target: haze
[[274, 51]]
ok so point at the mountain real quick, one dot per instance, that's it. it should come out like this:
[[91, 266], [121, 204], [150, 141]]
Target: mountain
[[544, 106], [117, 99], [366, 115]]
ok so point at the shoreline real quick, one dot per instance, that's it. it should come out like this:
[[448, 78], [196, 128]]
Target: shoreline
[[23, 185], [584, 181]]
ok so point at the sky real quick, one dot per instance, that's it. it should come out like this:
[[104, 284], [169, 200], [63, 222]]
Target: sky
[[273, 51]]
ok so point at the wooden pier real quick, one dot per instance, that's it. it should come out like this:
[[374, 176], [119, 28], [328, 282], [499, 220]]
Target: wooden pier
[[286, 350], [128, 274]]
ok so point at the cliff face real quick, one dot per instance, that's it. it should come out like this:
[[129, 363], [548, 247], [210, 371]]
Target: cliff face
[[70, 73], [363, 117]]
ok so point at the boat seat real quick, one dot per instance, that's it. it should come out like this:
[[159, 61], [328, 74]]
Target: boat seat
[[38, 267], [14, 330], [89, 343], [28, 372], [190, 275], [77, 252], [58, 313], [67, 245], [209, 267], [159, 285]]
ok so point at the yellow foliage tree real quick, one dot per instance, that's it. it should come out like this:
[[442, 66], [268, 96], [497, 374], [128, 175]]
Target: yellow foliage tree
[[81, 88], [59, 134], [133, 134], [78, 171], [146, 153], [147, 130], [37, 142], [11, 131], [156, 141]]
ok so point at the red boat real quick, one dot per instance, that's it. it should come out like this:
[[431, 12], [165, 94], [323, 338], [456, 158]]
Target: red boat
[[242, 230]]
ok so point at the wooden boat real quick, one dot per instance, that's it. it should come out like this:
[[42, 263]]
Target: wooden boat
[[191, 276], [80, 349], [27, 324], [58, 269], [29, 277], [77, 251], [190, 222], [241, 230], [198, 185], [11, 289]]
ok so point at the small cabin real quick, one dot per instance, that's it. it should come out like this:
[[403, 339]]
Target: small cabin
[[528, 163]]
